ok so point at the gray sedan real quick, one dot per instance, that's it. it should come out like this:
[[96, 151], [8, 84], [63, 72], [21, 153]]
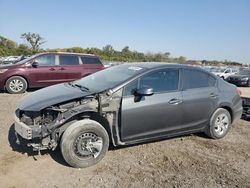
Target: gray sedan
[[123, 105]]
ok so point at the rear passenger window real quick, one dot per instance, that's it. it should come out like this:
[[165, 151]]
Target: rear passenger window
[[68, 60], [90, 60], [197, 79]]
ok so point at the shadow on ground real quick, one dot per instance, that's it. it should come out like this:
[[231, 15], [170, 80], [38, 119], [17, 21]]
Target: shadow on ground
[[23, 148], [57, 156]]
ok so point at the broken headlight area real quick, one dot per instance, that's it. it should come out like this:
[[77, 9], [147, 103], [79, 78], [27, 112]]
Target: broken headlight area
[[32, 125], [38, 118]]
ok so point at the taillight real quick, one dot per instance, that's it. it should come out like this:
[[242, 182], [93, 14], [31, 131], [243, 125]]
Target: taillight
[[238, 91]]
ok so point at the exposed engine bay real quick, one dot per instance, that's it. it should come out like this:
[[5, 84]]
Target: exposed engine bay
[[48, 125]]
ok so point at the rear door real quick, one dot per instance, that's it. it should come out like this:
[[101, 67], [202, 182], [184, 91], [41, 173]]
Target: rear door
[[200, 98], [155, 115], [69, 68]]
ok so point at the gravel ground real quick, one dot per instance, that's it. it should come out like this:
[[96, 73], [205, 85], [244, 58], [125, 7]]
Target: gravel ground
[[189, 161]]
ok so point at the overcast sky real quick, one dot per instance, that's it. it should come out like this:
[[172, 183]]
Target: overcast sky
[[196, 29]]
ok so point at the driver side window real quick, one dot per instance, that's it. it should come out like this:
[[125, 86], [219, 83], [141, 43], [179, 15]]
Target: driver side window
[[130, 88], [161, 81], [46, 60]]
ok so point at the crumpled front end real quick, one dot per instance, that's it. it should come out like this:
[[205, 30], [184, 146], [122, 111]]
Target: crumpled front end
[[42, 129], [29, 130]]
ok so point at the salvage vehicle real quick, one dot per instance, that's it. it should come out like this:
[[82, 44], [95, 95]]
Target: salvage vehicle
[[123, 105], [47, 69], [240, 79]]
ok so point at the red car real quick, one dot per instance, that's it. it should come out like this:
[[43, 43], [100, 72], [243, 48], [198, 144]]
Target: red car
[[46, 69]]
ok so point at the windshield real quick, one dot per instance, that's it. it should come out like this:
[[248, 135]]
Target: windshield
[[245, 72], [110, 77]]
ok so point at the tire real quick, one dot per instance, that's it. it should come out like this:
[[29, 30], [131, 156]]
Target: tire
[[219, 124], [77, 140], [248, 83], [16, 84]]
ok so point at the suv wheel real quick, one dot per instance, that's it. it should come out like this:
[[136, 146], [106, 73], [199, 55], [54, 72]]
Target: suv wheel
[[84, 143], [219, 124], [16, 84]]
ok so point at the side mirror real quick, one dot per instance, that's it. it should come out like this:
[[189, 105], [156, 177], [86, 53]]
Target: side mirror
[[144, 92], [35, 64]]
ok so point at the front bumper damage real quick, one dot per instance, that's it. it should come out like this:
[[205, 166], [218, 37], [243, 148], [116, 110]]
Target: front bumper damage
[[33, 135], [22, 129], [42, 136], [25, 137]]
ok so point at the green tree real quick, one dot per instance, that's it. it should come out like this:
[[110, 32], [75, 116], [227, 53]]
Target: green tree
[[125, 50], [6, 43], [108, 49], [34, 40]]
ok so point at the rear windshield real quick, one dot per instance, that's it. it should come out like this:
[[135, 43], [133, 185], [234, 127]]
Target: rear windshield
[[90, 60]]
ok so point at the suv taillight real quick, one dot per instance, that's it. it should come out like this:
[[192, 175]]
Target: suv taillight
[[238, 91]]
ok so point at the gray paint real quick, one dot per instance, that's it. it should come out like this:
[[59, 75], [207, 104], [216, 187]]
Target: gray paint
[[153, 116], [50, 96]]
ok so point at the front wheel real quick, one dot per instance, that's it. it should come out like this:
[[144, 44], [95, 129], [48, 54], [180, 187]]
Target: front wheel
[[84, 143], [248, 83], [219, 124], [16, 84]]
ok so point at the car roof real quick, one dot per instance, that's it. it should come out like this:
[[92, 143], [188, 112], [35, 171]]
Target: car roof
[[67, 53], [152, 65]]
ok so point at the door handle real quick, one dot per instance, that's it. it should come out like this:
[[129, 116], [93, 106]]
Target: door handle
[[174, 101], [62, 69], [213, 95], [52, 69]]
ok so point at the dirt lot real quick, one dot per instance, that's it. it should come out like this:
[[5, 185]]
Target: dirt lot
[[190, 161]]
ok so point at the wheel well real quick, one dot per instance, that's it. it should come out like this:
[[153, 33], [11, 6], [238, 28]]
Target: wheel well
[[97, 117], [229, 110], [19, 76]]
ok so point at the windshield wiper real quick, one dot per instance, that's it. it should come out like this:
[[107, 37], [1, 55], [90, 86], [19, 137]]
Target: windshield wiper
[[83, 88]]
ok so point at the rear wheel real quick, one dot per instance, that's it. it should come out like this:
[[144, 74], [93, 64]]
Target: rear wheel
[[219, 124], [84, 143], [16, 84]]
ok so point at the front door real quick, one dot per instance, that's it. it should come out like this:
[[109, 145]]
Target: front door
[[45, 72], [155, 115]]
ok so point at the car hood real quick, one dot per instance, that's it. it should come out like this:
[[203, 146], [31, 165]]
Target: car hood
[[9, 66], [52, 95]]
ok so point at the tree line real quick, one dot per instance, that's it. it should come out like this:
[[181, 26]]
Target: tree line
[[32, 45]]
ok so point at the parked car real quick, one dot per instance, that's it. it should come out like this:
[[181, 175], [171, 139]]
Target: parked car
[[11, 59], [224, 73], [126, 104], [240, 79], [47, 69]]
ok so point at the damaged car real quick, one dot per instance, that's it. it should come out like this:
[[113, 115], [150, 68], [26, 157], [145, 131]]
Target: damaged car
[[124, 105]]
